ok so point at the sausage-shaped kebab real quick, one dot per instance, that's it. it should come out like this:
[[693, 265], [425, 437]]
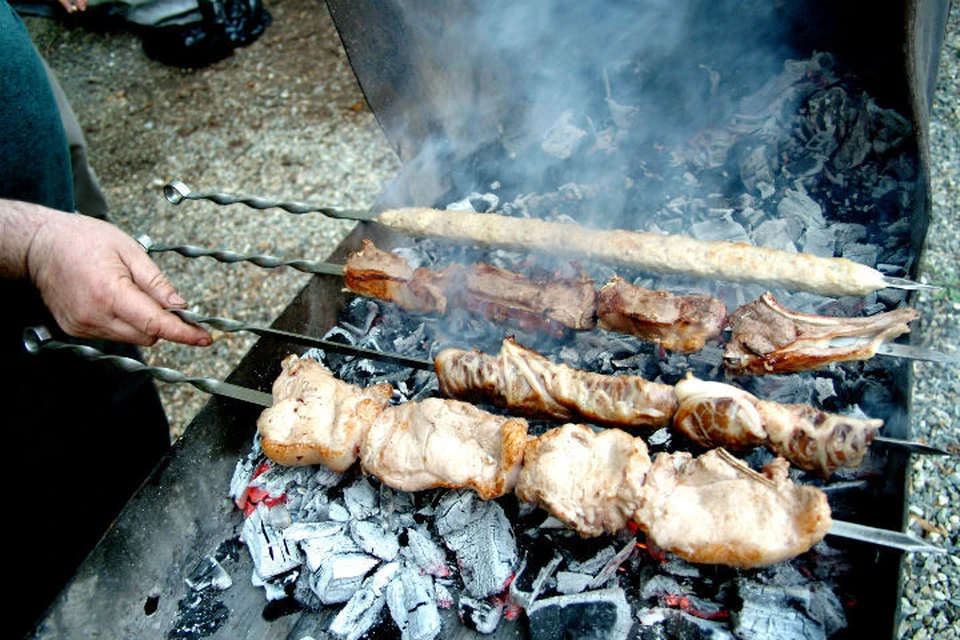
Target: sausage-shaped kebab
[[654, 252], [766, 337], [712, 414], [711, 509]]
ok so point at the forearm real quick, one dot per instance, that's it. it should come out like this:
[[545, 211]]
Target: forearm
[[19, 224]]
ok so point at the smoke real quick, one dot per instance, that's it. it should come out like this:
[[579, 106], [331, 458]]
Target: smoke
[[533, 94]]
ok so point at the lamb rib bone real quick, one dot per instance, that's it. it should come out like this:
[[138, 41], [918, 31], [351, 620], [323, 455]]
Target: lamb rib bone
[[38, 338], [897, 350]]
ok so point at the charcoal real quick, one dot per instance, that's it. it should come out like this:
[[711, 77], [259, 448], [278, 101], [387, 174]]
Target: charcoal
[[363, 608], [594, 563], [209, 574], [426, 554], [609, 570], [361, 499], [682, 625], [863, 253], [800, 208], [723, 228], [481, 537], [373, 538], [756, 172], [595, 615], [526, 598], [442, 596], [659, 585], [778, 234], [339, 576], [572, 582], [480, 615], [775, 612], [563, 137], [271, 553], [275, 588], [413, 609], [338, 512]]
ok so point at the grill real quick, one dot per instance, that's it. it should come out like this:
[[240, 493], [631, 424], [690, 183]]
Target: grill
[[469, 119]]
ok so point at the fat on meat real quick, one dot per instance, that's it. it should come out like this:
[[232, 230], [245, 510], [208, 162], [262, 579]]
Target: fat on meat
[[714, 509], [716, 414], [589, 481], [528, 383], [317, 418], [678, 323], [444, 443]]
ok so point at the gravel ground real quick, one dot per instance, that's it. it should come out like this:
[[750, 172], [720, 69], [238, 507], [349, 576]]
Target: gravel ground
[[284, 118]]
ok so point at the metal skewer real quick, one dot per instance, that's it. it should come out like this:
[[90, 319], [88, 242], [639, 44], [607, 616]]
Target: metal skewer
[[892, 349], [37, 339], [226, 324], [176, 192]]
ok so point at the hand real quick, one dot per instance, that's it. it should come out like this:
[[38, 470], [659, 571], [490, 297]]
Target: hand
[[73, 7], [99, 283]]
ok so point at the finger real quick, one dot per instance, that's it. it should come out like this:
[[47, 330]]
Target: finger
[[148, 277], [139, 310]]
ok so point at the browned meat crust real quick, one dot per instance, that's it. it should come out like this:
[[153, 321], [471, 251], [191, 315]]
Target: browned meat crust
[[710, 510], [529, 384], [767, 337], [677, 323], [714, 509], [714, 414], [316, 418], [546, 304], [589, 481], [441, 443]]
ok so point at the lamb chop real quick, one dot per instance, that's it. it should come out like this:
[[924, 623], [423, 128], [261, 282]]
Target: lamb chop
[[714, 414], [529, 384], [767, 337], [677, 323]]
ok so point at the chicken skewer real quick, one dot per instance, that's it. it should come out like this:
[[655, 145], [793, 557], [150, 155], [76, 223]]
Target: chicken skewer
[[677, 322], [37, 339], [654, 252]]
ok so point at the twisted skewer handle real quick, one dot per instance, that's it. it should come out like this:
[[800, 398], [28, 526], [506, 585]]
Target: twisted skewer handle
[[176, 192], [265, 261], [37, 339]]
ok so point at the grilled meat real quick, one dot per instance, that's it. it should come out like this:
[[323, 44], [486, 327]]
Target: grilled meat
[[529, 384], [386, 276], [656, 252], [590, 482], [548, 304], [316, 418], [442, 443], [714, 414], [677, 323], [767, 337], [714, 509]]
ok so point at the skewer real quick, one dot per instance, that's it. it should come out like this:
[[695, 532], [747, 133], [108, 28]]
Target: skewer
[[664, 253], [892, 349], [228, 325], [38, 339]]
